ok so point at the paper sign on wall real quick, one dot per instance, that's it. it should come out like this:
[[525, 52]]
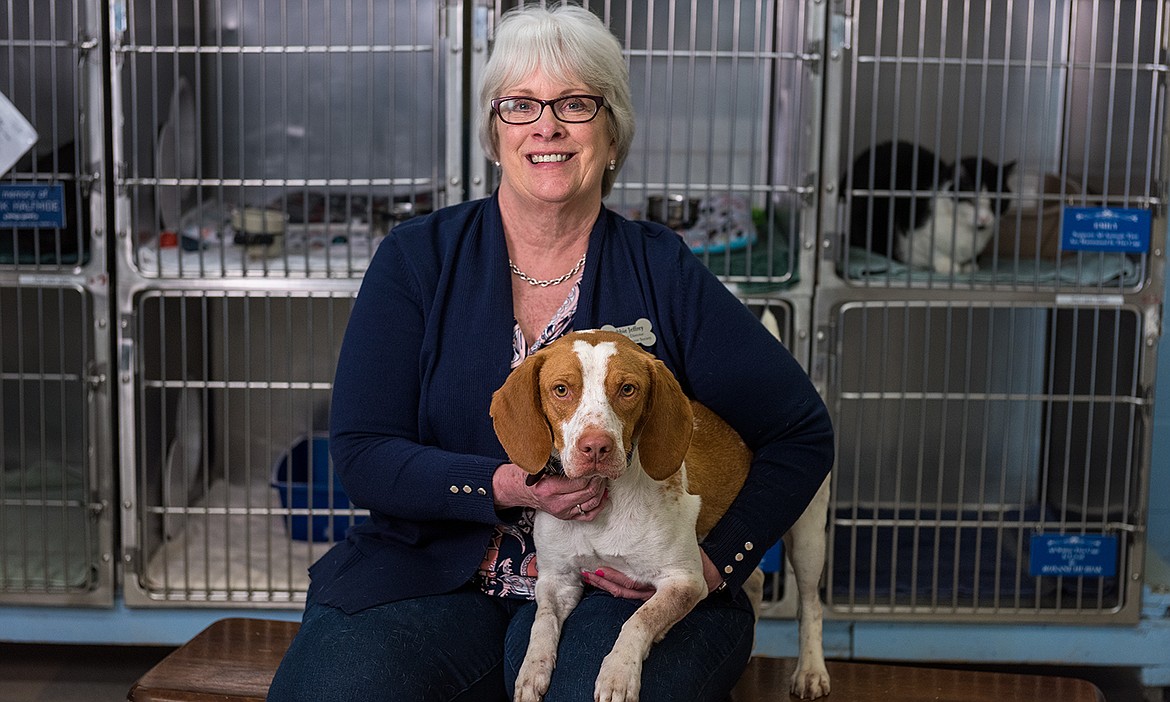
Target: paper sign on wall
[[17, 136]]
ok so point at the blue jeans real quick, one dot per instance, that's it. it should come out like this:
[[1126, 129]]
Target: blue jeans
[[468, 646]]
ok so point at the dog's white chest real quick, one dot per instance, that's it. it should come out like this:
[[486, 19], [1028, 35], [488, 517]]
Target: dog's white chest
[[646, 530]]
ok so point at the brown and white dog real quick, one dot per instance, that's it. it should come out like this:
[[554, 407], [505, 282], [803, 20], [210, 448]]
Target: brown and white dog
[[603, 406]]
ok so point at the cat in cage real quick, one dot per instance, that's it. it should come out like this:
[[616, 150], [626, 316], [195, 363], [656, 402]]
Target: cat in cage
[[910, 205]]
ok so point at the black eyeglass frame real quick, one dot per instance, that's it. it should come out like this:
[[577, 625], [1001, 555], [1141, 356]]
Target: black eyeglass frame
[[600, 100]]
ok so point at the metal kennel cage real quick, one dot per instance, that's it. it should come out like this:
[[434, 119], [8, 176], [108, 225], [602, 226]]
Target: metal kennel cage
[[266, 150], [1050, 105], [275, 139], [57, 483], [55, 507], [979, 442], [50, 76], [236, 495], [993, 421]]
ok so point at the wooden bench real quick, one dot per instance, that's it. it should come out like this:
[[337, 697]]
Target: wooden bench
[[233, 660]]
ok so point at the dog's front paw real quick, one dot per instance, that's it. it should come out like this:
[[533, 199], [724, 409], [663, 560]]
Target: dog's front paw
[[620, 679], [810, 682], [534, 677]]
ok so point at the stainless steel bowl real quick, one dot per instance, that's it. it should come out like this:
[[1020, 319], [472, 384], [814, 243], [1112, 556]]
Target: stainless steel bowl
[[675, 211]]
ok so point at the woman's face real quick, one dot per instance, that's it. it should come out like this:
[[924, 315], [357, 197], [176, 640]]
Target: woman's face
[[550, 161]]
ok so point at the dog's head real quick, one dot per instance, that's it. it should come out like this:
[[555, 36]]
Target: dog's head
[[591, 398]]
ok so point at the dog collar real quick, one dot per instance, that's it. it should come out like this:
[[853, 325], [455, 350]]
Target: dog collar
[[552, 467]]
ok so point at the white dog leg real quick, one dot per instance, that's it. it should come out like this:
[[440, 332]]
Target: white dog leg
[[620, 678], [556, 596], [753, 587], [805, 545]]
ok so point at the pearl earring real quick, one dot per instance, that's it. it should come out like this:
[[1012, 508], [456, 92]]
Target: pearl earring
[[497, 164], [613, 164]]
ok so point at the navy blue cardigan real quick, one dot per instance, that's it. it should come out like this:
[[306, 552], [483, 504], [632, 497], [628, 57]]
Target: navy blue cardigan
[[430, 339]]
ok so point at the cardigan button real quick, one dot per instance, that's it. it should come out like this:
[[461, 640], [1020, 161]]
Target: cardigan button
[[728, 569], [455, 488], [467, 489], [747, 546], [739, 556], [481, 491]]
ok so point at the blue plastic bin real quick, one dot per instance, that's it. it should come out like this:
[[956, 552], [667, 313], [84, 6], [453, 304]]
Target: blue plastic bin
[[301, 478], [772, 559]]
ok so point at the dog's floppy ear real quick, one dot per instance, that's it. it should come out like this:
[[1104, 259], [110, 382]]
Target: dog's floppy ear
[[667, 426], [518, 418]]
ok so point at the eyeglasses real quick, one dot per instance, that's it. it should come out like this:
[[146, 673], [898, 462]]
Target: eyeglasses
[[517, 109]]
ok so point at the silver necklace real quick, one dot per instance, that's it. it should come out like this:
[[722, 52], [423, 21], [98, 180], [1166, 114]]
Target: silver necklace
[[545, 283]]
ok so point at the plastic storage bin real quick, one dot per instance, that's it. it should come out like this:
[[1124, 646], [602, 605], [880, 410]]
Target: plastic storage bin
[[301, 478]]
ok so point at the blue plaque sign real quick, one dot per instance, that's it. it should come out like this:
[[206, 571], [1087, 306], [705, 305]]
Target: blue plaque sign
[[1108, 229], [1086, 555], [26, 205]]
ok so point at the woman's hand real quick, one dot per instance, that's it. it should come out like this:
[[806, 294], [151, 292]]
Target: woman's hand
[[579, 499], [619, 584]]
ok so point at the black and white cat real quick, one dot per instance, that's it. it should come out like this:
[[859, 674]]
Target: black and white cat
[[943, 227]]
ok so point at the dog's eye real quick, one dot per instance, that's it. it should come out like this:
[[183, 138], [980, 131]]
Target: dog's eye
[[561, 390], [628, 389]]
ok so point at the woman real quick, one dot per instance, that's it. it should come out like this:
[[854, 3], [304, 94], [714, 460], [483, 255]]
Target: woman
[[430, 598]]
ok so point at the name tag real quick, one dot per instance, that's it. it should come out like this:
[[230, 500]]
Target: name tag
[[640, 332]]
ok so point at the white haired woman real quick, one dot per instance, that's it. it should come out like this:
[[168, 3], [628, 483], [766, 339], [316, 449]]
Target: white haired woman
[[431, 597]]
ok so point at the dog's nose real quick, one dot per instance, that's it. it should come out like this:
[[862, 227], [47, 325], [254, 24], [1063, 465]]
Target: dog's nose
[[596, 446]]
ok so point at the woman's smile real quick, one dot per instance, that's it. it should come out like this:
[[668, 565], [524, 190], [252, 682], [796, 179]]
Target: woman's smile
[[549, 158]]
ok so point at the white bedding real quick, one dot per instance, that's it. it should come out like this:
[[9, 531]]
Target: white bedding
[[48, 540], [242, 549], [225, 259]]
